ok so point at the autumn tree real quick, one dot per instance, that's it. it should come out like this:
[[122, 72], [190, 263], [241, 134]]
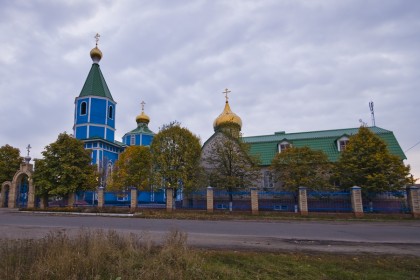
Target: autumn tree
[[229, 165], [132, 169], [366, 162], [301, 167], [65, 168], [10, 161], [176, 157]]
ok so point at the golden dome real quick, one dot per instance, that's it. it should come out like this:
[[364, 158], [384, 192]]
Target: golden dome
[[227, 117], [96, 54], [142, 118]]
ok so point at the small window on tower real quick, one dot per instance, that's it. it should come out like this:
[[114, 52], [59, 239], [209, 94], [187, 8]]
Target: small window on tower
[[132, 140], [110, 112], [83, 108]]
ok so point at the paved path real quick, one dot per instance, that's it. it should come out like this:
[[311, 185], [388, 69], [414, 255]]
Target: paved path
[[344, 237]]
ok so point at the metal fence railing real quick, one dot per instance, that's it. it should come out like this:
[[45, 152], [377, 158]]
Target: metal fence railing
[[329, 201], [239, 200], [386, 202], [277, 201], [280, 201], [194, 200]]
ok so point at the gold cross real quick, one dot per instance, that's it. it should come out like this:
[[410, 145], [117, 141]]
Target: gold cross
[[97, 38], [226, 94], [142, 105]]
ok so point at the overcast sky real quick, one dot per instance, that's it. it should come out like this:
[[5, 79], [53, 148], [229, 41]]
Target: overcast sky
[[291, 65]]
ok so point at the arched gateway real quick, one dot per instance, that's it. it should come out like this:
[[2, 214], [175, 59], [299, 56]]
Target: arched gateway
[[20, 192]]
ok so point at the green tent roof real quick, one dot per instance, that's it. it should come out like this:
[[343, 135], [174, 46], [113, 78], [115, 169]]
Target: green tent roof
[[266, 145], [95, 84], [141, 128]]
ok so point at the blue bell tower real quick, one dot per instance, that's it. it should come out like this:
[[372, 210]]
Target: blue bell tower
[[94, 116]]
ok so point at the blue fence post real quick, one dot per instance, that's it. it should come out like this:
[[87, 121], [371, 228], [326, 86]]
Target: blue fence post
[[356, 201]]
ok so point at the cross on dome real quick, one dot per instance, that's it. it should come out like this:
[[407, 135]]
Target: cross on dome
[[97, 36], [142, 105], [226, 92], [28, 148]]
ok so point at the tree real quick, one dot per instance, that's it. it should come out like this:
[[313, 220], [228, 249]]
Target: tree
[[176, 157], [10, 161], [133, 168], [229, 165], [65, 168], [367, 163], [301, 166]]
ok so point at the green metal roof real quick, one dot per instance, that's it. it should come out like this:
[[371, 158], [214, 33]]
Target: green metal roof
[[141, 128], [99, 139], [95, 84], [266, 146]]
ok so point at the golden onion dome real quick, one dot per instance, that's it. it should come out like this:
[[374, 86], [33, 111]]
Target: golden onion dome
[[227, 117], [142, 118], [96, 54]]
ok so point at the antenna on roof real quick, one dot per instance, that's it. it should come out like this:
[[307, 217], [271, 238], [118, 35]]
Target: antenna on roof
[[372, 112]]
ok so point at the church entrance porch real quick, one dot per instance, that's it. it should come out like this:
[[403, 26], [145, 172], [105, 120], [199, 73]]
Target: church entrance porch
[[22, 191]]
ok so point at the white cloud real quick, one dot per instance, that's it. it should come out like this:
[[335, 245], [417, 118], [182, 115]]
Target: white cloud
[[291, 65]]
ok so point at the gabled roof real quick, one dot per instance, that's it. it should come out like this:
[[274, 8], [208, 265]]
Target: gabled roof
[[95, 84], [266, 145]]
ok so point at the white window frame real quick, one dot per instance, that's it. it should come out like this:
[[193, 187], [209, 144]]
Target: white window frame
[[132, 140], [268, 180], [285, 144], [81, 110], [110, 112], [343, 140]]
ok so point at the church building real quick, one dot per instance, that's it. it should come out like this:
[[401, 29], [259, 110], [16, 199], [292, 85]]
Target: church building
[[95, 118]]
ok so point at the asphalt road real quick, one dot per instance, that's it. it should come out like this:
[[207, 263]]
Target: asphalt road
[[339, 237]]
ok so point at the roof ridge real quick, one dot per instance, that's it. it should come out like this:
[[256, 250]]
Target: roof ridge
[[376, 128]]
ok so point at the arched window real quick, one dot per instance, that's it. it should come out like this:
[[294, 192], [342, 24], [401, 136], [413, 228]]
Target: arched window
[[83, 108], [110, 112]]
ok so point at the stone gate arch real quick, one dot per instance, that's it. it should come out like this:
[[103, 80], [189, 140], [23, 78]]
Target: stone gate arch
[[26, 169], [5, 190]]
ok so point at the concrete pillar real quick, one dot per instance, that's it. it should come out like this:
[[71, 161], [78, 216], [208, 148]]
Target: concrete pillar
[[303, 201], [413, 197], [71, 199], [169, 199], [254, 201], [44, 202], [31, 194], [101, 198], [210, 199], [356, 201], [133, 200], [12, 195]]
